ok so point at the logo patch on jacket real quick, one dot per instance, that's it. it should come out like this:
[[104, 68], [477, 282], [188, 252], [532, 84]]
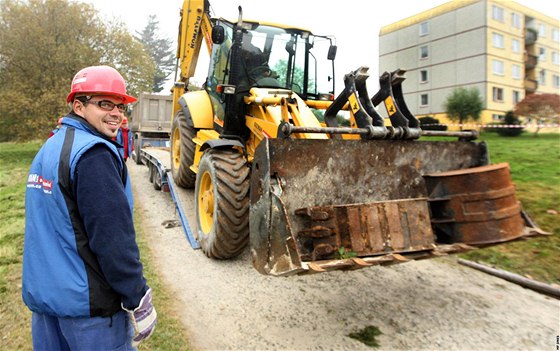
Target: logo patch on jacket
[[38, 182]]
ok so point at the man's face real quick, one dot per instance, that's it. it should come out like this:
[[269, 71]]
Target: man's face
[[105, 122]]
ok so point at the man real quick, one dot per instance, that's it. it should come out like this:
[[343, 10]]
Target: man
[[124, 138], [254, 61], [82, 276]]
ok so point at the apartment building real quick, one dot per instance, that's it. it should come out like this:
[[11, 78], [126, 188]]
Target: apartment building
[[502, 48]]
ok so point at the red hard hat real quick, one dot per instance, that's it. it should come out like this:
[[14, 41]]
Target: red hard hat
[[99, 80]]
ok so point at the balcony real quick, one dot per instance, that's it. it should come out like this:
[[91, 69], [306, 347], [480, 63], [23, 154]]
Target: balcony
[[531, 85], [530, 60], [531, 36]]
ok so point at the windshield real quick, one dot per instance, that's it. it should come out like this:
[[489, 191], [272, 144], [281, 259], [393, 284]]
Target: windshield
[[276, 57]]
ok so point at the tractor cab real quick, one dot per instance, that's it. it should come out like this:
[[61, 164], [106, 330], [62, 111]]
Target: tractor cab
[[269, 56]]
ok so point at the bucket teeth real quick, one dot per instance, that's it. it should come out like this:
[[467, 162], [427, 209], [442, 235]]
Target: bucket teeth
[[315, 214], [360, 262], [316, 232]]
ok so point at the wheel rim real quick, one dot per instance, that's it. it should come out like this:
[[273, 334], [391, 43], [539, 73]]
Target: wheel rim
[[206, 203], [176, 148]]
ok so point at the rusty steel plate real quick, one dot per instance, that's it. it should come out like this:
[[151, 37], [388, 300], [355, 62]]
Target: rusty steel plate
[[476, 206], [365, 229]]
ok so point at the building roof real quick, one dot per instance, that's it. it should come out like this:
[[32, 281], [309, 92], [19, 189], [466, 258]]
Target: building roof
[[456, 4]]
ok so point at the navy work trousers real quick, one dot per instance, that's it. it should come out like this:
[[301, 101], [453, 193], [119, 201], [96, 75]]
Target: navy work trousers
[[97, 333]]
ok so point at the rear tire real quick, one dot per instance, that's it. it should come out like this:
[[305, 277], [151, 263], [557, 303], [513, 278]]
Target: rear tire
[[137, 147], [222, 203], [157, 179], [182, 151], [151, 172]]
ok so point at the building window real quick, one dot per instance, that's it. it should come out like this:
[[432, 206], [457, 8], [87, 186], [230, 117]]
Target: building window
[[498, 94], [424, 101], [516, 97], [556, 80], [555, 35], [516, 72], [423, 52], [497, 13], [555, 58], [515, 46], [515, 20], [498, 67], [542, 30], [424, 29], [542, 54], [542, 77], [498, 40], [423, 76], [496, 117]]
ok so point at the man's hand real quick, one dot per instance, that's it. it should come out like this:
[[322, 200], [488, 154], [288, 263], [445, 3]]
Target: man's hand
[[143, 318]]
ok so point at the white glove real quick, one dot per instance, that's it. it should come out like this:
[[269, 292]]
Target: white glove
[[143, 318]]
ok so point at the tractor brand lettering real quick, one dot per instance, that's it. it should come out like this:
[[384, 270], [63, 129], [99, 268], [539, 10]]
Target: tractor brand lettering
[[260, 129], [36, 181], [195, 32], [390, 106], [354, 103]]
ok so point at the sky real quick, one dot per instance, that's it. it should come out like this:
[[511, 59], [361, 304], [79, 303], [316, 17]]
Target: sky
[[355, 27]]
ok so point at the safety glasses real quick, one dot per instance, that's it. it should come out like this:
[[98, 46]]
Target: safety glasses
[[105, 105]]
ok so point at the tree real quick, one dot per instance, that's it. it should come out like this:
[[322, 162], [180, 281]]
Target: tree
[[320, 115], [463, 104], [540, 108], [43, 43], [281, 68], [160, 50]]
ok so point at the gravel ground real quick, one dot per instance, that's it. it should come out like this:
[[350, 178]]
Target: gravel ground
[[424, 305]]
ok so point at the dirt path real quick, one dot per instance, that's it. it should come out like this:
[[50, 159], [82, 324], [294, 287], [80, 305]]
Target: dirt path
[[425, 305]]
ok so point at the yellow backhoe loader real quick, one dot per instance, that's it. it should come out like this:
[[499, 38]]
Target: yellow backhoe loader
[[309, 194]]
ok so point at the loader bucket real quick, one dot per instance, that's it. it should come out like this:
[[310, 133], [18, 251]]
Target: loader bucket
[[322, 204]]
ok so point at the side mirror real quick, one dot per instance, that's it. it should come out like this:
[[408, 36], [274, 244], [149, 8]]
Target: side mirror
[[218, 34], [290, 47], [332, 52]]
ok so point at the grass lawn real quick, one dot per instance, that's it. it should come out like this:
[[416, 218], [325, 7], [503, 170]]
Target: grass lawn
[[535, 168], [15, 160]]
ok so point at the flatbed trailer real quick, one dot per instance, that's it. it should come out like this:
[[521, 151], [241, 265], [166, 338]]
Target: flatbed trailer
[[158, 161]]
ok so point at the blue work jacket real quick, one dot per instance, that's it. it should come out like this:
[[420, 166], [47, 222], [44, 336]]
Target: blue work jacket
[[80, 254]]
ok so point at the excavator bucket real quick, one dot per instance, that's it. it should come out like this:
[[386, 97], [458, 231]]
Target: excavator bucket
[[318, 205]]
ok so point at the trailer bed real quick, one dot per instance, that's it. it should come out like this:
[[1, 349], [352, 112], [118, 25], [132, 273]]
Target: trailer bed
[[158, 160]]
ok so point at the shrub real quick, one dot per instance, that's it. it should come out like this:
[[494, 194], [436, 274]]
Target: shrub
[[510, 119], [430, 123]]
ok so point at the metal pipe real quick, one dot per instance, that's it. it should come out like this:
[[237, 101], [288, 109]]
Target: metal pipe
[[373, 132], [515, 278], [370, 132], [468, 134]]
